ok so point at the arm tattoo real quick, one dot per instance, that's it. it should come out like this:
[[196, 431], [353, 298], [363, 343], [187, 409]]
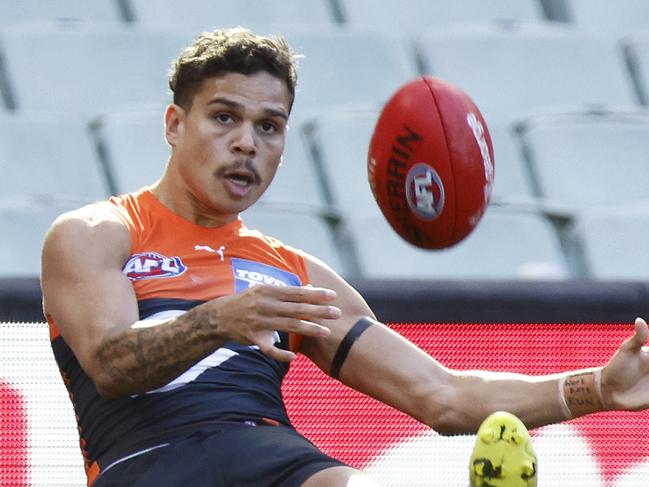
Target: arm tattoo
[[142, 359]]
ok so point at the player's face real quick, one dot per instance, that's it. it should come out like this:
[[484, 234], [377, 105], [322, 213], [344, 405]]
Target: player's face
[[228, 145]]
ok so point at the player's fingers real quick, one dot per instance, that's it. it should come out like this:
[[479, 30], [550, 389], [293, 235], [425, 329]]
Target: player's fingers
[[639, 338], [303, 294], [303, 327], [305, 311], [276, 353]]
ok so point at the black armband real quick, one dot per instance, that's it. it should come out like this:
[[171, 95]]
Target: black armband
[[346, 344]]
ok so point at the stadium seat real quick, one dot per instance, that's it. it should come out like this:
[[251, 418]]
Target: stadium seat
[[133, 147], [34, 10], [616, 19], [49, 156], [339, 142], [346, 67], [87, 68], [199, 15], [415, 16], [297, 180], [589, 159], [611, 244], [513, 181], [506, 244], [636, 47], [306, 230], [511, 69], [24, 224]]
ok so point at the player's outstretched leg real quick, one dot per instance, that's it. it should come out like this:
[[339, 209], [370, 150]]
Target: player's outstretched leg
[[503, 455]]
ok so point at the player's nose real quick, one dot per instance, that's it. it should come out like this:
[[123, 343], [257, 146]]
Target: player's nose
[[244, 141]]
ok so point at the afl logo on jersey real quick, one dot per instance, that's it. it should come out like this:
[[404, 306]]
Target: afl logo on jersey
[[151, 265]]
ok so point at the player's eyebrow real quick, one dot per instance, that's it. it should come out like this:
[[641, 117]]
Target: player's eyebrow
[[271, 112]]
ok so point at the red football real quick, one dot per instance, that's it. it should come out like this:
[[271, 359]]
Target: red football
[[431, 163]]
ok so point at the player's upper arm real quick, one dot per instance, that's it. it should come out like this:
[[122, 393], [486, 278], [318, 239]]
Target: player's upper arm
[[350, 302], [84, 289], [379, 362]]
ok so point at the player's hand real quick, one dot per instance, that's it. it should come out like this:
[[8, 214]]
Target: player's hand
[[625, 379], [252, 316]]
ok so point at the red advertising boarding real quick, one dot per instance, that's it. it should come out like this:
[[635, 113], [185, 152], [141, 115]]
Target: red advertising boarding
[[607, 449], [14, 466]]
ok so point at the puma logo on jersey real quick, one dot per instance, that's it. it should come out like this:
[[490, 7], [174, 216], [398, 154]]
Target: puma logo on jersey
[[207, 248], [150, 265]]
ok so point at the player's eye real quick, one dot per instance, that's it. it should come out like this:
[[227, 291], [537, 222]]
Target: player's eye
[[268, 127], [223, 117]]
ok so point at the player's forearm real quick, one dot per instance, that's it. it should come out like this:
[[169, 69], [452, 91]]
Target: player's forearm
[[535, 400], [145, 358]]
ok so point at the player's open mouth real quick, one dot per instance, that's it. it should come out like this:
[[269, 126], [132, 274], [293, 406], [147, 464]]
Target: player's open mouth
[[240, 182]]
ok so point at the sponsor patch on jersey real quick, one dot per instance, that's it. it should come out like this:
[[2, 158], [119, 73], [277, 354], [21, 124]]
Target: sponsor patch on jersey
[[248, 273], [151, 265]]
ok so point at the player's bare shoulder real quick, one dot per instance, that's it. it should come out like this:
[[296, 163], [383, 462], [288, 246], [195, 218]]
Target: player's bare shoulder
[[91, 230]]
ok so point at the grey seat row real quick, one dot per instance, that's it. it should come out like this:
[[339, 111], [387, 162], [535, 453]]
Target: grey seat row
[[509, 69], [619, 18], [98, 91], [562, 172], [205, 14]]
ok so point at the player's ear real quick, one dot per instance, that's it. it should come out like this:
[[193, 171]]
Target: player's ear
[[174, 117]]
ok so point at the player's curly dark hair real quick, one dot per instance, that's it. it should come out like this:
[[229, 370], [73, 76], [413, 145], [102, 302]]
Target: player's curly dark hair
[[235, 50]]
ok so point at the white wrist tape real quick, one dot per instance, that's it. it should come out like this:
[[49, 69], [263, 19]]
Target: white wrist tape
[[581, 393]]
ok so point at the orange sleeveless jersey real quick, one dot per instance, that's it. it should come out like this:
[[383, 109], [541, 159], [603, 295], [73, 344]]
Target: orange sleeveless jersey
[[172, 258]]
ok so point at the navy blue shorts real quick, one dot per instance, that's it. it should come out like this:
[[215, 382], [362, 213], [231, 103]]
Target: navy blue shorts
[[221, 455]]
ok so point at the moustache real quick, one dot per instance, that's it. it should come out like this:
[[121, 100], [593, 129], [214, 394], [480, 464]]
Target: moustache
[[242, 164]]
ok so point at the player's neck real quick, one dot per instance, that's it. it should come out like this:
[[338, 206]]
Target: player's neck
[[185, 205]]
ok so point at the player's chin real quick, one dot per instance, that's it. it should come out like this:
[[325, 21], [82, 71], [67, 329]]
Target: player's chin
[[236, 207], [239, 205], [223, 206]]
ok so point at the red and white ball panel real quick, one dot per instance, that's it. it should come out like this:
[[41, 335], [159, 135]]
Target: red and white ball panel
[[431, 163]]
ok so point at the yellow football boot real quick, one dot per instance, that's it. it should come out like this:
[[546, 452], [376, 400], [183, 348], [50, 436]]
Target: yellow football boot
[[503, 455]]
